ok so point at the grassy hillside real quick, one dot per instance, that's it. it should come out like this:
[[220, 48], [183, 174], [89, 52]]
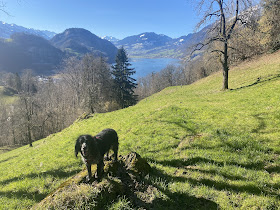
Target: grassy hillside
[[6, 95], [208, 148]]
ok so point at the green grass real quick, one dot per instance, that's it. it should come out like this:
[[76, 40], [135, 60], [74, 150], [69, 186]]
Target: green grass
[[208, 148], [8, 148], [7, 95]]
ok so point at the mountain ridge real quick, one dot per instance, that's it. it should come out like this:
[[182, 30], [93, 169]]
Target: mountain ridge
[[27, 51], [7, 29], [77, 41], [145, 45], [152, 45]]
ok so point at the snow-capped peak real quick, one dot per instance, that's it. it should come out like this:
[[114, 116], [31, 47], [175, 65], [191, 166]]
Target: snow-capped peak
[[6, 30]]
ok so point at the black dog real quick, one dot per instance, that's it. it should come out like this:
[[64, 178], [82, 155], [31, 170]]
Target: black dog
[[93, 148]]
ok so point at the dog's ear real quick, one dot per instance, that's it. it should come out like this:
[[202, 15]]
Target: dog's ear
[[77, 146]]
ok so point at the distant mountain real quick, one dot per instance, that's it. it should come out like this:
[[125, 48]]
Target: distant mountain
[[158, 45], [26, 51], [190, 40], [6, 30], [111, 39], [144, 42], [78, 41]]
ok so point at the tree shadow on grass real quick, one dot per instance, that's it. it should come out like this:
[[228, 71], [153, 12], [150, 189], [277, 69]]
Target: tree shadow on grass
[[170, 200], [22, 194], [58, 173], [260, 80], [181, 125], [236, 142], [214, 172], [10, 158], [261, 125], [273, 169], [153, 150], [192, 161], [178, 200], [8, 148], [219, 185], [36, 196]]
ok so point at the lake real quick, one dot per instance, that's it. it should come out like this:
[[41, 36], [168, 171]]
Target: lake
[[145, 66]]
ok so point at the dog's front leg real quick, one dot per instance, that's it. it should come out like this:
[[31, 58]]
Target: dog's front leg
[[89, 171], [99, 171]]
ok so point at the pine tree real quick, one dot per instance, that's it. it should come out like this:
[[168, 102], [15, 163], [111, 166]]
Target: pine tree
[[124, 83]]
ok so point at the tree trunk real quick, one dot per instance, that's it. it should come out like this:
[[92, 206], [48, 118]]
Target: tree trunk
[[28, 113], [29, 136], [225, 74], [225, 67]]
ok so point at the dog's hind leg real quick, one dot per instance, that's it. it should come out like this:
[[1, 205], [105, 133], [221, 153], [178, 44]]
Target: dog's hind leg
[[115, 149]]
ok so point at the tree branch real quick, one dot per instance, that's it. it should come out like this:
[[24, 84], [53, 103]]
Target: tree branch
[[218, 51], [199, 46], [235, 20], [2, 8]]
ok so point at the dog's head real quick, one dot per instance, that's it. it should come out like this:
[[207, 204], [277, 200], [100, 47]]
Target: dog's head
[[83, 145]]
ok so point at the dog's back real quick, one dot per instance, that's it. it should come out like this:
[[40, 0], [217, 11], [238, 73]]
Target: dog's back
[[108, 139]]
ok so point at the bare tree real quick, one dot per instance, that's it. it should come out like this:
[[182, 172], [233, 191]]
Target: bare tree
[[224, 15], [3, 8], [96, 79], [270, 24], [90, 81], [170, 76], [71, 75], [48, 105], [27, 103]]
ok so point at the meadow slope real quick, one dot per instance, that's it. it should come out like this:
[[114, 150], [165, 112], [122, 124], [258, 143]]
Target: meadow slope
[[7, 95], [208, 148]]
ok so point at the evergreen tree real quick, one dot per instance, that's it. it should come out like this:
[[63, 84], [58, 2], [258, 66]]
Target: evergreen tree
[[124, 83]]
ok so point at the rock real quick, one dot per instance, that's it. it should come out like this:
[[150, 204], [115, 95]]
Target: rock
[[136, 164], [121, 178]]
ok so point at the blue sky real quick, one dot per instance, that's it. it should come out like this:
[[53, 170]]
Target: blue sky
[[118, 18]]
